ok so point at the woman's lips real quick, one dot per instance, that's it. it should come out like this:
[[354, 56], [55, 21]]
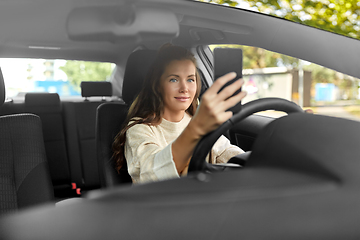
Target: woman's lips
[[182, 99]]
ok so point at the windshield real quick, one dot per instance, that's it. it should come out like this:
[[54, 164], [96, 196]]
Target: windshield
[[337, 16]]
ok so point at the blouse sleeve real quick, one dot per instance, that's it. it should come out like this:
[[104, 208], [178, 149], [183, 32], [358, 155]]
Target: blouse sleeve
[[222, 150], [146, 158]]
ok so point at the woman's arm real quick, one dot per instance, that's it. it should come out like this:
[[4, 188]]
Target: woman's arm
[[148, 157], [211, 113]]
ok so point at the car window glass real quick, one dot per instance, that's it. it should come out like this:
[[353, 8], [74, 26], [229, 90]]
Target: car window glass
[[324, 91], [341, 17], [23, 75]]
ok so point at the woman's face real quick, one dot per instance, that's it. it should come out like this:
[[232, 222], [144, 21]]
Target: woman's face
[[178, 88]]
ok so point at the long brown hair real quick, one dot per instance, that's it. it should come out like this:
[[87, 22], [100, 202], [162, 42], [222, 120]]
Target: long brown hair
[[148, 106]]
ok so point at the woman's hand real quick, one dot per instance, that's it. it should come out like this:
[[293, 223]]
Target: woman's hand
[[212, 111]]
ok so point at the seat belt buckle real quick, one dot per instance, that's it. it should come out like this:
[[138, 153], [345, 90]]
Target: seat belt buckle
[[77, 190]]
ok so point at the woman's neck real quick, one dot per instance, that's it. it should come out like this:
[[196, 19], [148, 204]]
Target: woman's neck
[[174, 117]]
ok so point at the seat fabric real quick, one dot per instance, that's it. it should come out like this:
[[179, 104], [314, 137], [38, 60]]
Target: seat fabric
[[48, 107], [24, 171], [96, 89], [135, 72], [80, 121], [110, 118]]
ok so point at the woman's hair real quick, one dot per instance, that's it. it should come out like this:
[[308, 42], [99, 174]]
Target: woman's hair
[[148, 106]]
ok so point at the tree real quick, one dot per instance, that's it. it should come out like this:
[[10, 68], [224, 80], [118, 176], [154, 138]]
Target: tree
[[78, 71], [254, 57], [223, 2], [338, 16]]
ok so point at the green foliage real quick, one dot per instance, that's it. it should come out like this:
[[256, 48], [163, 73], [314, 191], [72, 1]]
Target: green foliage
[[222, 2], [78, 71], [338, 16], [254, 57], [260, 58], [322, 74]]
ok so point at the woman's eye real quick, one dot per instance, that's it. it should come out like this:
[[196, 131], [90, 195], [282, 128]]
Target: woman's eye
[[191, 80], [173, 80]]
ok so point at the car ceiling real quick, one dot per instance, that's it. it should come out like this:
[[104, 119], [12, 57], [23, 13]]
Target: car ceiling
[[40, 29]]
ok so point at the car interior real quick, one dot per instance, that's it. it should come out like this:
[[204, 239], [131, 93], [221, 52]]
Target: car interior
[[299, 179]]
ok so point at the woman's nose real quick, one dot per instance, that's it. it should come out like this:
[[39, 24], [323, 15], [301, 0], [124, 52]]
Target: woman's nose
[[183, 86]]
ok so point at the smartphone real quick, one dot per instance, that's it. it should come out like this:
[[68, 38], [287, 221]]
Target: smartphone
[[229, 60]]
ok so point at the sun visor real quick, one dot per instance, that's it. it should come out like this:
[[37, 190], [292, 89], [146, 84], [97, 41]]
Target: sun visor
[[122, 23]]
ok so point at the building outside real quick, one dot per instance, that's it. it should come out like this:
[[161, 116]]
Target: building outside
[[276, 82]]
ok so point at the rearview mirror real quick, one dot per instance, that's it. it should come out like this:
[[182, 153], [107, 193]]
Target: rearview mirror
[[122, 23]]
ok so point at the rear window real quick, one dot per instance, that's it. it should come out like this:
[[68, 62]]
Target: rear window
[[49, 75]]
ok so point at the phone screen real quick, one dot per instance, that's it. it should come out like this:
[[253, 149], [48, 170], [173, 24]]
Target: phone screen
[[229, 60]]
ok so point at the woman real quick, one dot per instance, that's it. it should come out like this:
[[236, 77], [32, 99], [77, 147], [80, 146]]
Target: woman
[[165, 123]]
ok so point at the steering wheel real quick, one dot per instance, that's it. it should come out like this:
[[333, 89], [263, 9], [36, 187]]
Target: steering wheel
[[198, 163]]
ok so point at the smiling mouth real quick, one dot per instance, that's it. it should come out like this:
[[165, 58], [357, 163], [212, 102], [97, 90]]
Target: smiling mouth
[[182, 99]]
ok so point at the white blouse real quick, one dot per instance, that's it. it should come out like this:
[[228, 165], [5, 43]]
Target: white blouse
[[148, 150]]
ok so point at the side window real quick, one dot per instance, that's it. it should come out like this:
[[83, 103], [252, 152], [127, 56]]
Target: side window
[[49, 75], [324, 91]]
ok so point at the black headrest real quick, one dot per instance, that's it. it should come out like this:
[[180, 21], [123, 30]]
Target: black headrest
[[96, 89], [136, 69], [2, 89], [43, 102]]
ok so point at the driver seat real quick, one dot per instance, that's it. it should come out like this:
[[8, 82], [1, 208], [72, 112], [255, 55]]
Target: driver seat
[[111, 116]]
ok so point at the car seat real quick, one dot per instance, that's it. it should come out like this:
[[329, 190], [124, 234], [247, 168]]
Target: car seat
[[80, 122], [111, 116], [24, 173]]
